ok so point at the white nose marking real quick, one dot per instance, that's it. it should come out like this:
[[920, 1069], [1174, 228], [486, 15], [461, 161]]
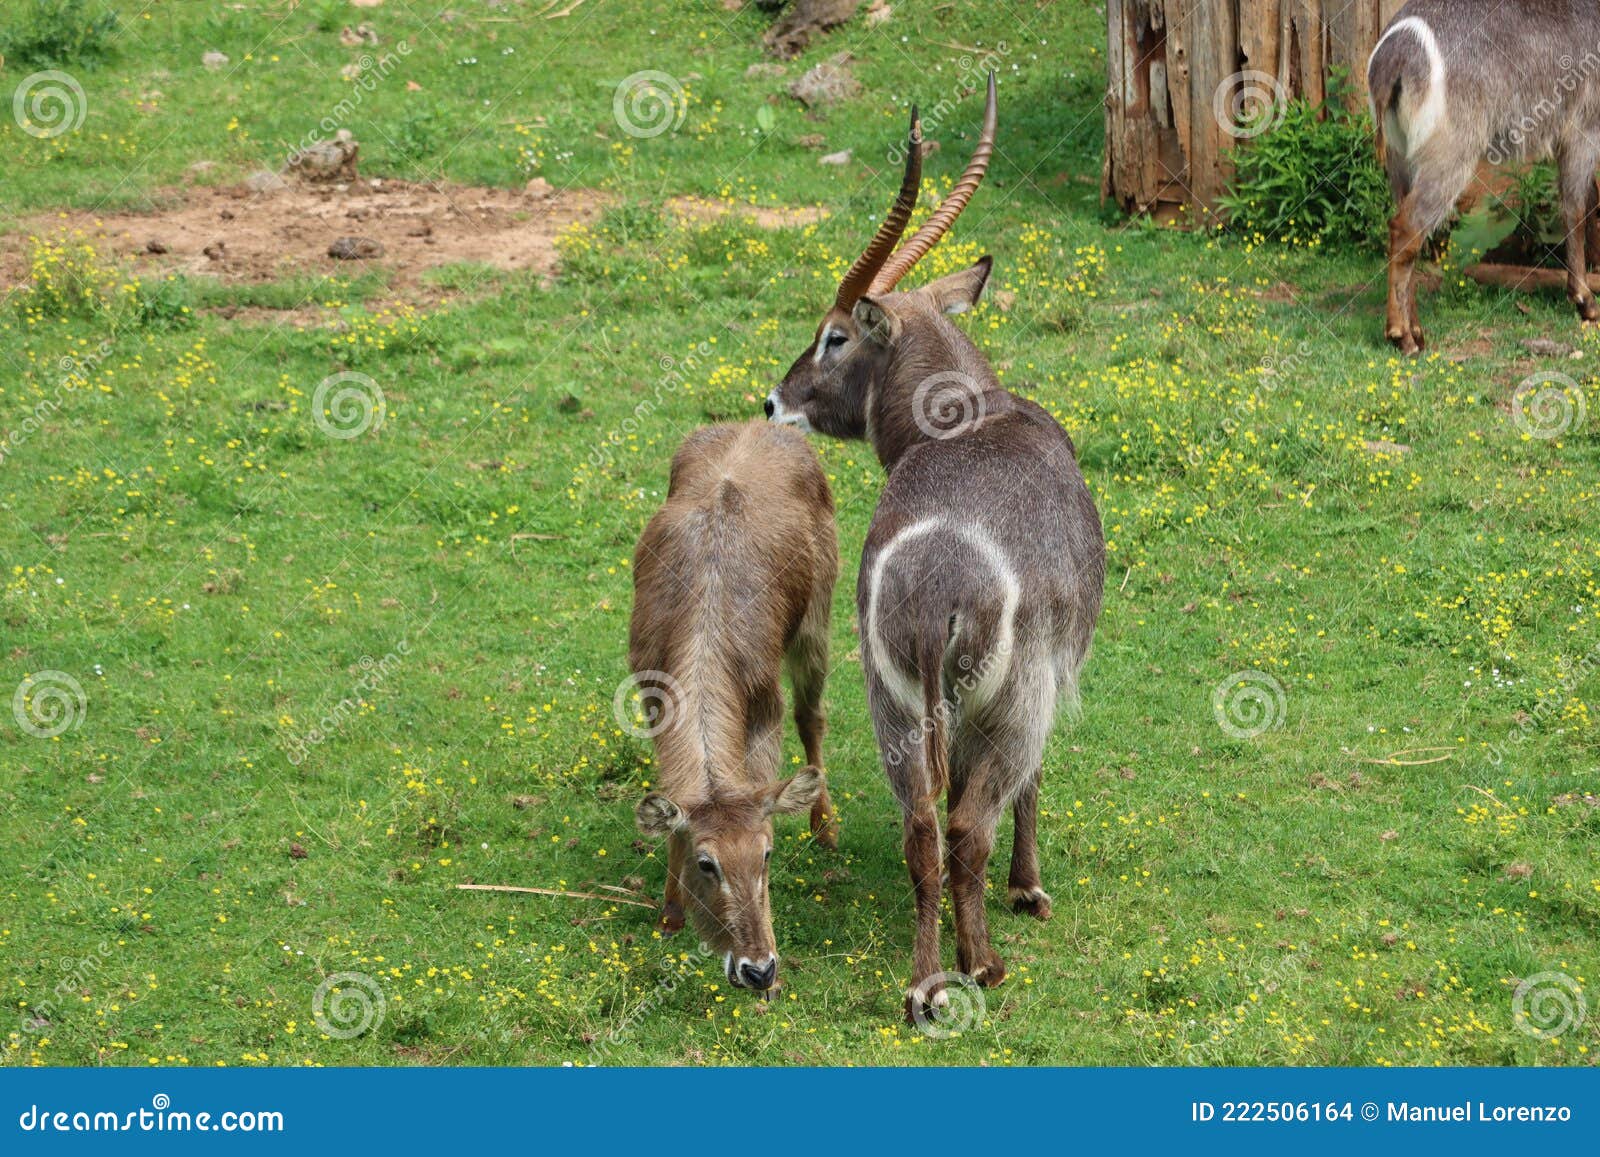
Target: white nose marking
[[786, 417]]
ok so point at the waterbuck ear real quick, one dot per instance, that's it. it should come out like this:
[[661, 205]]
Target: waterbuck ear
[[658, 816], [876, 323], [959, 292], [797, 793]]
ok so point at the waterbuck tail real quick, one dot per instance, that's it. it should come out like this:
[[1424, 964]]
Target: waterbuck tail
[[932, 638], [1406, 84]]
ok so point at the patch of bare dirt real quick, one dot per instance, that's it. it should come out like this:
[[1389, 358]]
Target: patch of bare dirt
[[762, 216], [240, 235]]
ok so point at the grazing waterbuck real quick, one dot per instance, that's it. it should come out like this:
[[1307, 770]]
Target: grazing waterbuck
[[732, 580], [981, 577], [1456, 82]]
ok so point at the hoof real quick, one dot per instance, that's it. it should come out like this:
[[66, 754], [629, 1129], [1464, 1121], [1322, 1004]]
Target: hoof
[[925, 1002], [1408, 342], [1034, 901], [1588, 310], [671, 918], [986, 968]]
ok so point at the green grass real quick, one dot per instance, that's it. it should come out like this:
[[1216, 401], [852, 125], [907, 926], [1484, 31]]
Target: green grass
[[182, 538]]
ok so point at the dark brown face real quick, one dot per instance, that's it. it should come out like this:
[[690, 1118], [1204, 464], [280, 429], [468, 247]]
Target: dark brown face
[[723, 848], [829, 387]]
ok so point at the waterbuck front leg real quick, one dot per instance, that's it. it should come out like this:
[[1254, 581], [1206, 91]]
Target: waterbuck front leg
[[1403, 326], [1577, 198], [808, 674], [1024, 886], [1592, 225]]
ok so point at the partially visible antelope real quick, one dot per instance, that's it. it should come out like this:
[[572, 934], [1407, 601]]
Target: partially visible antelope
[[981, 578], [1454, 82], [732, 580]]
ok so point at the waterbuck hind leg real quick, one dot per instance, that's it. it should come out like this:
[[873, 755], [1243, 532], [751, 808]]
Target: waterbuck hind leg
[[808, 674], [922, 861], [671, 918], [1577, 192], [1592, 226], [1402, 325], [969, 841], [1024, 887]]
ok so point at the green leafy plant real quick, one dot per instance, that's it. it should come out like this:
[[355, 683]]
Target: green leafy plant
[[60, 34], [1532, 209], [1312, 179]]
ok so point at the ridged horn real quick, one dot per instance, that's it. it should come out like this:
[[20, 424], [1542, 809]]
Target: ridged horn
[[866, 266]]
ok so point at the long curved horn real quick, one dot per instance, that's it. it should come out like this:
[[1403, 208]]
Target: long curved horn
[[860, 274], [944, 216]]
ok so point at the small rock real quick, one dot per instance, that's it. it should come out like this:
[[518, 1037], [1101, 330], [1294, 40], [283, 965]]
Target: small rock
[[765, 70], [200, 167], [1383, 446], [826, 83], [1543, 347], [839, 158], [296, 852], [811, 141], [355, 249], [264, 181], [216, 251], [333, 160], [214, 60], [539, 189], [155, 245]]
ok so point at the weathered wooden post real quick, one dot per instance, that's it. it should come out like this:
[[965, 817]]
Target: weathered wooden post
[[1180, 71]]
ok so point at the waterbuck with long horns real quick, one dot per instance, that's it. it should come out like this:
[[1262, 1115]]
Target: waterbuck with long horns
[[981, 576], [1454, 82], [732, 580]]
